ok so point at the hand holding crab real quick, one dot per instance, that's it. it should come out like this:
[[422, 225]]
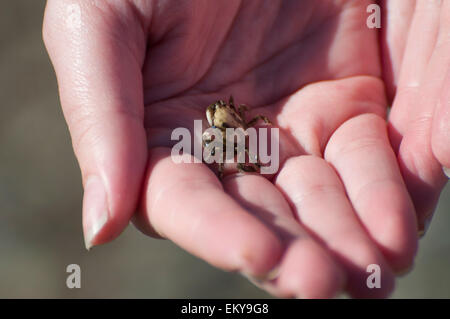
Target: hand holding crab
[[130, 73]]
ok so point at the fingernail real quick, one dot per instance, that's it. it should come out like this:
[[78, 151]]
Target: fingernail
[[426, 225], [261, 283], [95, 210], [273, 274], [446, 171], [269, 276]]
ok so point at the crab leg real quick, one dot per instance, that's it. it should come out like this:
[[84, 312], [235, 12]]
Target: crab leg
[[258, 117]]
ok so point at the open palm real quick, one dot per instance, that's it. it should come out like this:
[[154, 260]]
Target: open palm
[[337, 204]]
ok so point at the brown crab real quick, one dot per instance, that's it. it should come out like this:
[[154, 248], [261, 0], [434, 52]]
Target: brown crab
[[222, 115]]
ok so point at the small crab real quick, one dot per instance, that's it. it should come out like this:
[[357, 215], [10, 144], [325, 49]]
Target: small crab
[[222, 115]]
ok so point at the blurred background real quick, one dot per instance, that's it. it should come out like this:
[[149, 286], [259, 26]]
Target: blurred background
[[41, 195]]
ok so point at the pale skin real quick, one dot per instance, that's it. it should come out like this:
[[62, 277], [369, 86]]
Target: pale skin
[[130, 72]]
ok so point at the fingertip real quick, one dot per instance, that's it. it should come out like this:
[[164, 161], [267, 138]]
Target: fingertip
[[440, 140], [423, 177], [396, 227], [401, 250], [112, 165], [446, 171], [378, 283], [308, 272], [95, 212], [100, 223], [440, 136], [259, 258], [401, 256]]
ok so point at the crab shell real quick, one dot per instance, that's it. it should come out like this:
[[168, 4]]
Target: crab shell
[[223, 116]]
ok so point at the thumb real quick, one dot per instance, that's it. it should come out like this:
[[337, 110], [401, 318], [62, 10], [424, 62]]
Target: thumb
[[98, 67]]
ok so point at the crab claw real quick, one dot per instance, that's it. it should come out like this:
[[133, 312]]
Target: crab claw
[[210, 114]]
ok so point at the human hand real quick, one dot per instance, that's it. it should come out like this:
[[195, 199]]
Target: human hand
[[417, 69], [131, 72]]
